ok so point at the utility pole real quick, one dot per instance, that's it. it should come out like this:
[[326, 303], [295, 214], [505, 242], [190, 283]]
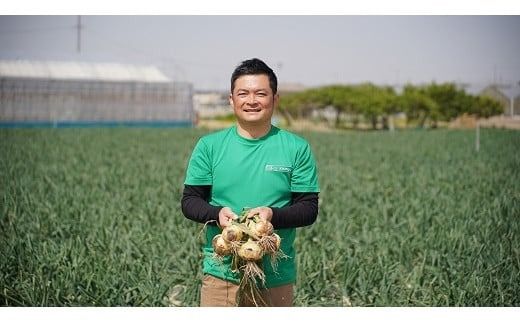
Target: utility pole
[[79, 26], [477, 136], [512, 104]]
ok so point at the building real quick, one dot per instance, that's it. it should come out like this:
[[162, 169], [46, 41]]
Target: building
[[506, 96], [287, 88], [211, 104], [84, 94]]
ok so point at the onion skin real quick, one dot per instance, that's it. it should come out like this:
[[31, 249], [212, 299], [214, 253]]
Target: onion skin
[[232, 233], [250, 251], [271, 244], [221, 246], [278, 241], [262, 228]]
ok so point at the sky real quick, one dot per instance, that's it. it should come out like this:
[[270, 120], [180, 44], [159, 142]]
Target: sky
[[312, 50]]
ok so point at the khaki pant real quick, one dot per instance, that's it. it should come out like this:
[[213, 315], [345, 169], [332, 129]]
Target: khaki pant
[[218, 292]]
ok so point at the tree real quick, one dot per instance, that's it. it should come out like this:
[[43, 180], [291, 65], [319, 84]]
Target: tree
[[485, 107], [451, 101], [418, 105]]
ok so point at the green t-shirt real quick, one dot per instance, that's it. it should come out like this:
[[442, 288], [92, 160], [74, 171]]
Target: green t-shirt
[[246, 173]]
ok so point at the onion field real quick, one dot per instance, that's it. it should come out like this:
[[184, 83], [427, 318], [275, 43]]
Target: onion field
[[91, 217]]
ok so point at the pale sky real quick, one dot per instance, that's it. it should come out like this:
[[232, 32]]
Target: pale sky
[[311, 50]]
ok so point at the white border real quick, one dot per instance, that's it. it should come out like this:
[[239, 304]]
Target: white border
[[263, 7], [305, 314]]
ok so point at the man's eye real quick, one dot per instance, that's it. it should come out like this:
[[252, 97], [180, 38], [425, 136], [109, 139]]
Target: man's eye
[[261, 94]]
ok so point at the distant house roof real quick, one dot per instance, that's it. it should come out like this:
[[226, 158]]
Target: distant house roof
[[81, 71], [290, 87], [494, 91], [508, 90]]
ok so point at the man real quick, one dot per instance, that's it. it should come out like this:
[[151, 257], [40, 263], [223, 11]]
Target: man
[[251, 164]]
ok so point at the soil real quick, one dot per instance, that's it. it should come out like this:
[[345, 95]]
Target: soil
[[470, 122]]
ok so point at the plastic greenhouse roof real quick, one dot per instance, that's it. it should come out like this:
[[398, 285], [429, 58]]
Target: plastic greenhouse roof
[[81, 71]]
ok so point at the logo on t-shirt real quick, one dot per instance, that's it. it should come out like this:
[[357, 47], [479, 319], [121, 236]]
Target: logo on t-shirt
[[278, 168]]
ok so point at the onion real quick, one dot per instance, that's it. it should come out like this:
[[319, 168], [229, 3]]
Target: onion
[[221, 246], [262, 228], [232, 233], [250, 251], [270, 244]]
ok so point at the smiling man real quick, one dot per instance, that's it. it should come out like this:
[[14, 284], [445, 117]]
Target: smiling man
[[253, 165]]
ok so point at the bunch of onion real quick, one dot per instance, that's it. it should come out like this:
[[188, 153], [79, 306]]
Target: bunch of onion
[[228, 243], [268, 240], [247, 240]]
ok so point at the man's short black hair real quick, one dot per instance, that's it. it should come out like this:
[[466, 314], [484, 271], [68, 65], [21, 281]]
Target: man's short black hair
[[254, 66]]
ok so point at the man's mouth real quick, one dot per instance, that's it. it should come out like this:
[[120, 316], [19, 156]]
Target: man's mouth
[[253, 110]]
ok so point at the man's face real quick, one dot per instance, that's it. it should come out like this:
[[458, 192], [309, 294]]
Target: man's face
[[253, 100]]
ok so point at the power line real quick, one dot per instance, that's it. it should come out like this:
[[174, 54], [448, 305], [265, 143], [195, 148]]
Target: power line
[[79, 26], [139, 51]]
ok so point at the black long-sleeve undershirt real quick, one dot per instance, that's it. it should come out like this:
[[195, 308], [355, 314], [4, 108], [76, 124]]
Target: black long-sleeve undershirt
[[302, 211]]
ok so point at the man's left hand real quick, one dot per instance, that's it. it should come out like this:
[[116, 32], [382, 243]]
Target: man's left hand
[[263, 212]]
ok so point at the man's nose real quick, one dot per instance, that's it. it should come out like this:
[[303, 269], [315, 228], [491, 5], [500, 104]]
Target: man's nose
[[251, 99]]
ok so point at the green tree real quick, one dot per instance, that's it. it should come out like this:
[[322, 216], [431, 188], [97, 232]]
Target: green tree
[[418, 105], [451, 101], [485, 107]]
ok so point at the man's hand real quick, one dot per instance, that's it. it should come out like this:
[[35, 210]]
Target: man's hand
[[263, 212], [225, 216]]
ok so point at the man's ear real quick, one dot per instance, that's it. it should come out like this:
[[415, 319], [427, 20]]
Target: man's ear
[[276, 100], [231, 100]]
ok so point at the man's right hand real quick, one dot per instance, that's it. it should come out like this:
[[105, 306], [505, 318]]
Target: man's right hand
[[225, 216]]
